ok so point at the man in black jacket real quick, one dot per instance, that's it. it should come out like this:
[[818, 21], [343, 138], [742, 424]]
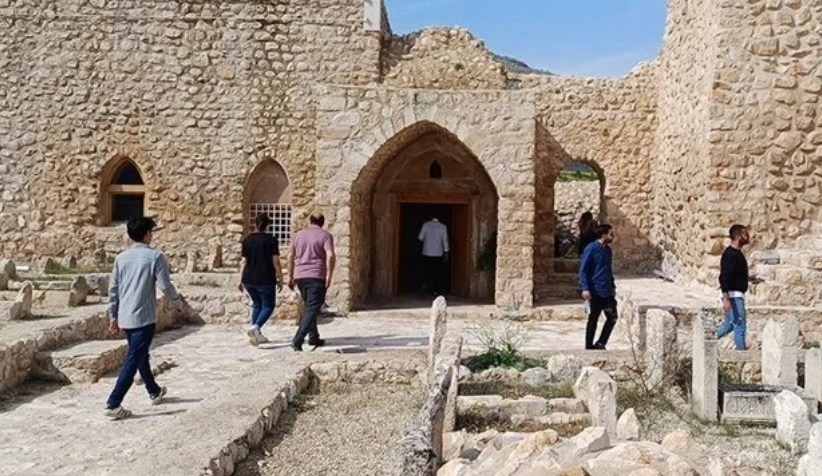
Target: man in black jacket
[[733, 280]]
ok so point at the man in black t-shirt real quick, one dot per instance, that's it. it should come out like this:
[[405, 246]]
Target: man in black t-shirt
[[261, 276], [733, 281]]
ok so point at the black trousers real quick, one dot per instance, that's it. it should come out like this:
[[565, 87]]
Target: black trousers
[[313, 294], [598, 305], [433, 272]]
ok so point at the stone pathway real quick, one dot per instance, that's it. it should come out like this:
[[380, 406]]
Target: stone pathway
[[216, 391]]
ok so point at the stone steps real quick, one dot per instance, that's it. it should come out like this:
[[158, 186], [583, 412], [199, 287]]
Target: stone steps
[[556, 291], [566, 265], [86, 362]]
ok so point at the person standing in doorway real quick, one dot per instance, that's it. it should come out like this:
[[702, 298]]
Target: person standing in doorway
[[132, 297], [261, 275], [733, 281], [434, 238], [311, 268], [596, 280], [587, 228]]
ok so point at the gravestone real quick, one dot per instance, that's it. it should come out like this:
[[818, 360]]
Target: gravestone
[[811, 463], [793, 426], [780, 351], [704, 375], [79, 291], [813, 374], [438, 326], [598, 390], [8, 267], [24, 300], [754, 403], [215, 257], [4, 280], [660, 353], [191, 261]]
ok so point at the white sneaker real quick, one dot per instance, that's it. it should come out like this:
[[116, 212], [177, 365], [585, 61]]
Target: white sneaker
[[261, 339], [118, 413], [254, 336], [158, 399]]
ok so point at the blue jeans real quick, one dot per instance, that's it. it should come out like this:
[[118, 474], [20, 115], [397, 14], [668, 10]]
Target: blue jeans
[[736, 321], [263, 299], [313, 294], [139, 342]]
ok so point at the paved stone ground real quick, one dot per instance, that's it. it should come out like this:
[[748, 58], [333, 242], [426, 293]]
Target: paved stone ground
[[217, 388]]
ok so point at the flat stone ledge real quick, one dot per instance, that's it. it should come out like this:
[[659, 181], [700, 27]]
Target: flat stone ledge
[[82, 363]]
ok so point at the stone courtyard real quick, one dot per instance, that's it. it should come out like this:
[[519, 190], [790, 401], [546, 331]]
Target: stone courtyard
[[206, 113]]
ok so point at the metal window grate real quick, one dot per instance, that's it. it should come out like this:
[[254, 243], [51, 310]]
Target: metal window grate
[[280, 214]]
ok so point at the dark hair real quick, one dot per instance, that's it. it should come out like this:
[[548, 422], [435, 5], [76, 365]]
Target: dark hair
[[262, 221], [138, 228], [602, 230], [587, 216], [317, 219], [736, 231]]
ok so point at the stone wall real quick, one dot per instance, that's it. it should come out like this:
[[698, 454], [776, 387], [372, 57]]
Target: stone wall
[[441, 58], [572, 199], [610, 125], [195, 93], [361, 130]]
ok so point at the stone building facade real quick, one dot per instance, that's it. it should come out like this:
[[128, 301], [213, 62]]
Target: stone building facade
[[204, 112]]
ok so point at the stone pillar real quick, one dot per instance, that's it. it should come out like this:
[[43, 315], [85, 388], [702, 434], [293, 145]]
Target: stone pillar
[[439, 324], [660, 352], [813, 375], [780, 351], [704, 374], [598, 390], [191, 261], [215, 257], [811, 463], [793, 426]]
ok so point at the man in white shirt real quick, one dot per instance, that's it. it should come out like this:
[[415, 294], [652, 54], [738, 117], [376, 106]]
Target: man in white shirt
[[434, 237]]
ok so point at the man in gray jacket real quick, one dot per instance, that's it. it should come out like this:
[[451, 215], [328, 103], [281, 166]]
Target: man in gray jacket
[[132, 296]]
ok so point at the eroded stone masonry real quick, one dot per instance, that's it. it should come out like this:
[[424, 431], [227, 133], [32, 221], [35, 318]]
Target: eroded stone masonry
[[203, 113]]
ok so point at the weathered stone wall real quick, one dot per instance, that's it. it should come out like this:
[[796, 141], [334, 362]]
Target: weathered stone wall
[[572, 199], [362, 129], [441, 58], [680, 166], [196, 93], [610, 125]]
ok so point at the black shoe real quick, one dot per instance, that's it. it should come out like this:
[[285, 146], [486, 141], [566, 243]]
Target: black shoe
[[599, 346], [317, 343], [296, 348]]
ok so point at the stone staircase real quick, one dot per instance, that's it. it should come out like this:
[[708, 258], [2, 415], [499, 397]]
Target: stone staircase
[[560, 285]]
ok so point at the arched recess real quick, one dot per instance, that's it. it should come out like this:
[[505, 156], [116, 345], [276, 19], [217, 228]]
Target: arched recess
[[579, 187], [396, 191], [124, 191], [268, 191]]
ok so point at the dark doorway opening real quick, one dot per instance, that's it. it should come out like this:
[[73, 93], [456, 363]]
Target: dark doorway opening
[[411, 276]]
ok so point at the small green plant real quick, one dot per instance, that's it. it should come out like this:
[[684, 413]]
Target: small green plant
[[501, 349], [813, 344], [732, 372], [478, 422], [515, 390]]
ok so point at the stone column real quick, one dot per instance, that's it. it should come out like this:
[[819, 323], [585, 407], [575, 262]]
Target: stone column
[[598, 390], [660, 352], [780, 351], [705, 377], [813, 375]]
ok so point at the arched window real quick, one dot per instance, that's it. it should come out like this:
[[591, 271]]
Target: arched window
[[435, 170], [126, 193], [268, 191]]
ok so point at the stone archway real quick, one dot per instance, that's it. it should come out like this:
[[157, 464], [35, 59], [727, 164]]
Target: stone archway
[[268, 191], [423, 167]]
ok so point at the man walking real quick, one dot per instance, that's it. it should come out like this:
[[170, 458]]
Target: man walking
[[311, 267], [132, 297], [733, 281], [434, 237], [596, 280]]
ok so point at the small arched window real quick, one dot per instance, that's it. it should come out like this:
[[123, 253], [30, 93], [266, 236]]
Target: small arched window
[[435, 170], [126, 193], [268, 191]]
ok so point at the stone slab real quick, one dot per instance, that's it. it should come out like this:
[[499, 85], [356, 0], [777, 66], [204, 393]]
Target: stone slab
[[82, 363], [753, 403]]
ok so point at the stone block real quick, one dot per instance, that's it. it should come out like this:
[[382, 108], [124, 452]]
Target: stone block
[[536, 377], [99, 283], [191, 261], [566, 405], [705, 371], [628, 426], [453, 443], [780, 351], [215, 257], [813, 376], [598, 390], [480, 403], [82, 363], [438, 322], [661, 346], [79, 291], [754, 403], [793, 424], [528, 405], [590, 440], [565, 368]]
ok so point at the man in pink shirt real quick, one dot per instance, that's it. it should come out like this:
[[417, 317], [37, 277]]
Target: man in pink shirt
[[310, 267]]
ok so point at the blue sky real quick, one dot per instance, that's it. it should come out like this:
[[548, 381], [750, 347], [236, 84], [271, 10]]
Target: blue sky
[[604, 38]]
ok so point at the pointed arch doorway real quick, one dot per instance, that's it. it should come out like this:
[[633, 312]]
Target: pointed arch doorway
[[424, 171]]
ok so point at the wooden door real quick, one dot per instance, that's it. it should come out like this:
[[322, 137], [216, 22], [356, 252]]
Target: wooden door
[[460, 242]]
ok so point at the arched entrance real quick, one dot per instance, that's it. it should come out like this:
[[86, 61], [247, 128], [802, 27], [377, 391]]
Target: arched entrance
[[423, 171]]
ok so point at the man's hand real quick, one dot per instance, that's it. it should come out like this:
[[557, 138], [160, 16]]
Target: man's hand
[[586, 295], [291, 283], [445, 258], [240, 287], [726, 305], [113, 328], [279, 284], [327, 282]]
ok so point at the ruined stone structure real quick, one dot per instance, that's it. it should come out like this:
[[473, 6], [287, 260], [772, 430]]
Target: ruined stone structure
[[204, 113]]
